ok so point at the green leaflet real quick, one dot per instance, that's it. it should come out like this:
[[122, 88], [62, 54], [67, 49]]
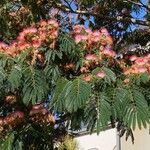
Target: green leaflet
[[15, 77], [77, 94], [110, 75], [58, 98], [35, 87], [120, 98], [2, 75], [132, 105], [103, 112], [71, 95], [144, 77], [97, 112], [52, 54], [135, 109], [67, 44], [52, 72], [6, 143]]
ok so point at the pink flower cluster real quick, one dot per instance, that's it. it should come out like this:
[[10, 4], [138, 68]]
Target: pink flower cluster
[[97, 46], [89, 77], [33, 37], [97, 37], [139, 65]]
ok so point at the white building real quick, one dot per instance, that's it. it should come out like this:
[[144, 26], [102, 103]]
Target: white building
[[106, 140], [109, 140]]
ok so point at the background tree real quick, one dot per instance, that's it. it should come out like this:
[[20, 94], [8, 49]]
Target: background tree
[[118, 16]]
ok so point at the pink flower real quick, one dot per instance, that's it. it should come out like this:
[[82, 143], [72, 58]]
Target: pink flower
[[43, 23], [109, 40], [21, 36], [91, 57], [87, 78], [89, 31], [126, 81], [78, 28], [53, 23], [148, 69], [23, 45], [148, 56], [3, 45], [104, 31], [80, 37], [30, 30], [101, 74], [96, 33], [141, 61], [133, 58], [108, 52], [134, 70], [142, 69], [94, 39], [83, 70], [55, 34], [127, 71], [42, 35], [36, 43]]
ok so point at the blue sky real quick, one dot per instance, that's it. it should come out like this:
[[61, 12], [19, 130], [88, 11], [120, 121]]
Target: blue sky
[[142, 11], [139, 15]]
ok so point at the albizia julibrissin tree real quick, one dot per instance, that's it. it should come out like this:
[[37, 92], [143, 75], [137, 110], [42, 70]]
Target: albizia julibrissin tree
[[75, 75]]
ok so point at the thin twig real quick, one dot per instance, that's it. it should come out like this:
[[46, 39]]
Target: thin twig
[[138, 4], [110, 18]]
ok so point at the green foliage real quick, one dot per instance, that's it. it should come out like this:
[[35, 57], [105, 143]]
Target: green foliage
[[78, 93], [2, 75], [69, 47], [15, 77], [136, 110], [71, 95], [67, 44], [95, 103], [58, 99], [110, 75], [132, 107], [144, 77], [98, 112], [7, 142], [35, 88]]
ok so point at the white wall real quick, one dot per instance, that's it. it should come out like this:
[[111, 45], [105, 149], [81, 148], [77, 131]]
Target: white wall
[[106, 140], [141, 142]]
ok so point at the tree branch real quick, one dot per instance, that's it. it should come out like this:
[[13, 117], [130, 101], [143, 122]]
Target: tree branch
[[145, 6], [118, 18], [138, 4]]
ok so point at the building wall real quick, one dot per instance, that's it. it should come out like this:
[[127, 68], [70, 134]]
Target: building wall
[[141, 142], [106, 140]]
